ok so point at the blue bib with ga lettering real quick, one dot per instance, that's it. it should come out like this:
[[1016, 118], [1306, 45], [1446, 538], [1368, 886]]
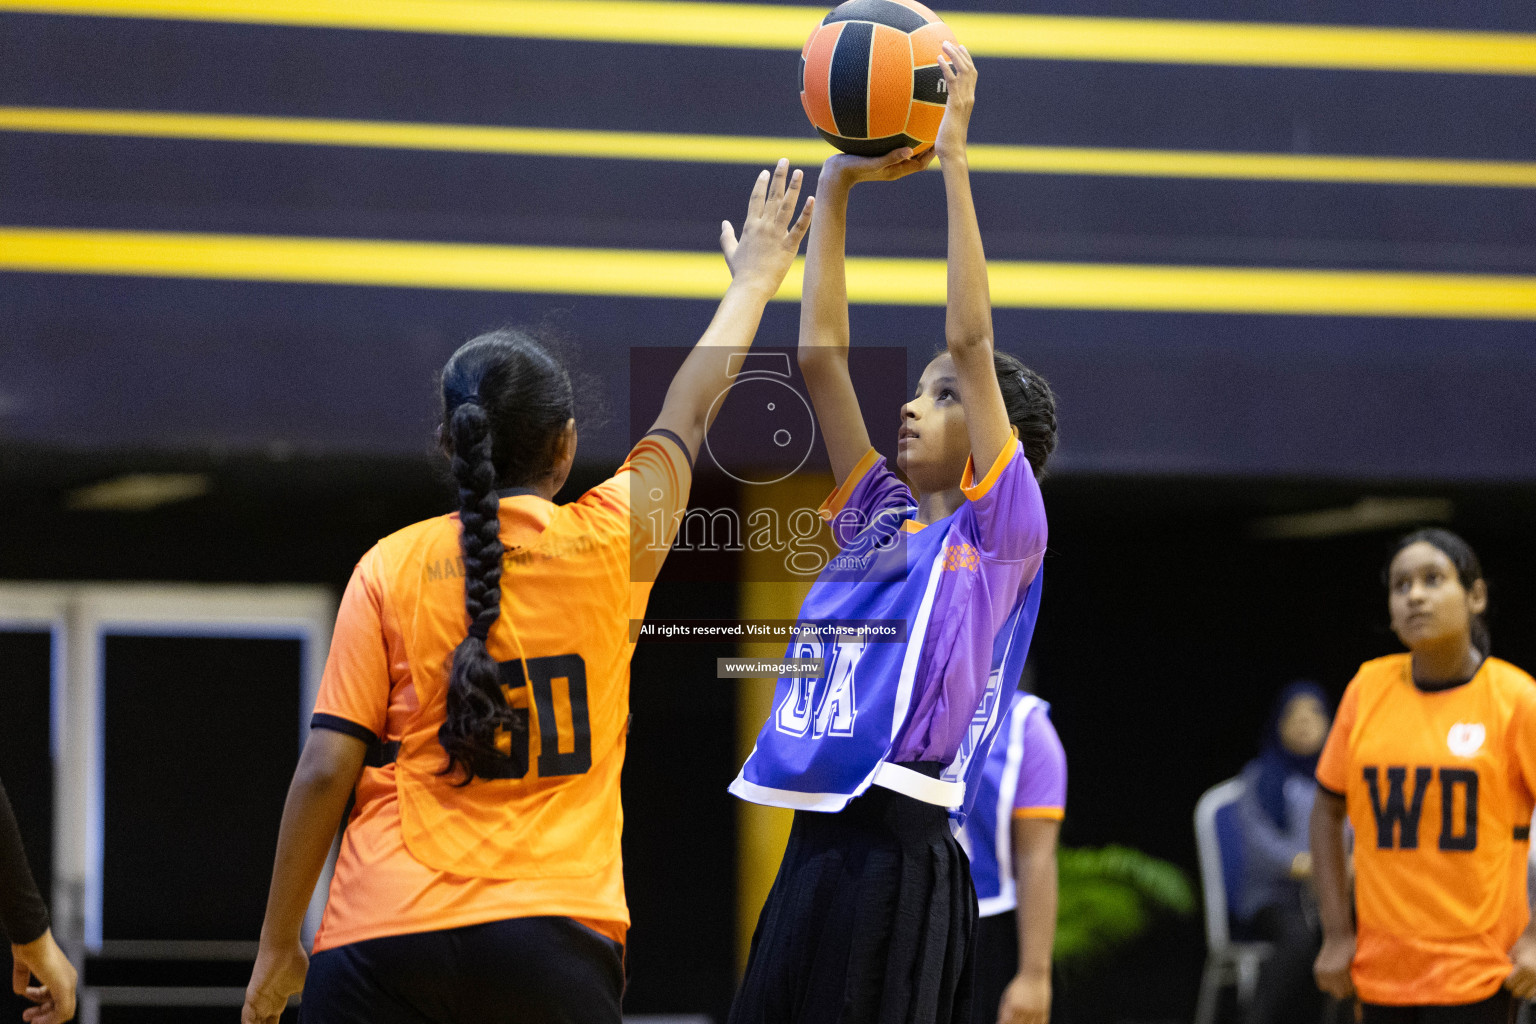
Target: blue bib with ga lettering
[[827, 739]]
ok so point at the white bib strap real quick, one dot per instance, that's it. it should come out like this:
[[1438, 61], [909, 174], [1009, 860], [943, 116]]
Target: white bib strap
[[919, 786]]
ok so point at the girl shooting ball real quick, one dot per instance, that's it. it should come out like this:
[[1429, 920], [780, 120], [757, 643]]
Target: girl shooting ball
[[871, 914]]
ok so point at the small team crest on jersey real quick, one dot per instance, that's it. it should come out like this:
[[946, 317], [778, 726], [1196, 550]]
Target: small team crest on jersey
[[1466, 738]]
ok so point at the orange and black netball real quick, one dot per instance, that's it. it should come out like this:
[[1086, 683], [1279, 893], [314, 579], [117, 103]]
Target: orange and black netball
[[870, 79]]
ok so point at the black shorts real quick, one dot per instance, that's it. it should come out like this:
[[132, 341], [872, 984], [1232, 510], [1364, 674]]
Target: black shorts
[[1499, 1008], [869, 921], [527, 970]]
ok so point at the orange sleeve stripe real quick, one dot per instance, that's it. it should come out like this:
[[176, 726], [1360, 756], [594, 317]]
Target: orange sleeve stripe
[[834, 504], [968, 485], [1051, 813], [674, 441]]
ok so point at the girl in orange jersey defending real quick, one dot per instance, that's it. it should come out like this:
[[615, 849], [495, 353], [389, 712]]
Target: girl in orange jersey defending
[[476, 699], [1433, 757]]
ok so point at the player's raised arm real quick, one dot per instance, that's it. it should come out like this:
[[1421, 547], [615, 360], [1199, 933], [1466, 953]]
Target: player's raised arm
[[968, 316], [770, 237], [823, 352]]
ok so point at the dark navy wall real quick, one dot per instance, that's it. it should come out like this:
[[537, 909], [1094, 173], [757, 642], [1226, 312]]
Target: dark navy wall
[[304, 369], [109, 361]]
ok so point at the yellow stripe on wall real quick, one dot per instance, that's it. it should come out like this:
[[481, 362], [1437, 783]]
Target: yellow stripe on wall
[[564, 142], [345, 261], [772, 27], [699, 275], [762, 151]]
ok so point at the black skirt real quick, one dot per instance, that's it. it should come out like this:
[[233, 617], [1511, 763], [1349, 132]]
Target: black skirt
[[869, 920]]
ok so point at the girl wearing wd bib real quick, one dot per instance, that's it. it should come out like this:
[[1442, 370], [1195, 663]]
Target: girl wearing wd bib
[[872, 911], [476, 700], [1433, 758]]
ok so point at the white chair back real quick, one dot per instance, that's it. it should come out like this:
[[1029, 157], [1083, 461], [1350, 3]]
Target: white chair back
[[1208, 846]]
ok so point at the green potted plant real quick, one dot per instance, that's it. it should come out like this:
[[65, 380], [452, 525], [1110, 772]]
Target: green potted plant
[[1108, 896]]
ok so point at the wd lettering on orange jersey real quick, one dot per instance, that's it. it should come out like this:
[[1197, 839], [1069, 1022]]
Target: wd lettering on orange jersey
[[1397, 818], [1439, 786]]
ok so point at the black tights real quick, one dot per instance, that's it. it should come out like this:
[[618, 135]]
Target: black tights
[[1497, 1009]]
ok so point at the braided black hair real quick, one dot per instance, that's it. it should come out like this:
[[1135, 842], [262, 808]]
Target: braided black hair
[[1469, 569], [506, 402], [1031, 408]]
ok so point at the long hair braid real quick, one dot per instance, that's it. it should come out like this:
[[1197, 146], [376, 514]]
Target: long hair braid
[[506, 400], [476, 709]]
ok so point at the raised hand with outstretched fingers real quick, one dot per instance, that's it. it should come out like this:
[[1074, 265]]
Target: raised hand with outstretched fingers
[[770, 233], [959, 71]]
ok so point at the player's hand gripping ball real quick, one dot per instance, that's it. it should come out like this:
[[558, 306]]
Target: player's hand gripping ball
[[870, 79]]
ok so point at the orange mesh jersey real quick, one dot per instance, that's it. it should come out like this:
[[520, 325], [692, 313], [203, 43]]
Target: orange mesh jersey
[[420, 853], [1439, 788]]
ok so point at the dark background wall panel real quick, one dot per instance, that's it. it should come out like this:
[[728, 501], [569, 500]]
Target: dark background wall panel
[[680, 826], [298, 72], [1265, 223], [83, 181], [1166, 106], [477, 80], [119, 362], [200, 732], [124, 361], [1325, 397], [158, 184]]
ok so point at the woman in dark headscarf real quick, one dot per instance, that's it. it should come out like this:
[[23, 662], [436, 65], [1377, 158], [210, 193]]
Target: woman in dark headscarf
[[1275, 900]]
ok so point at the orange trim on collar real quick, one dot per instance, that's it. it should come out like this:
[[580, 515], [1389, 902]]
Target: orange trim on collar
[[974, 491], [838, 498]]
